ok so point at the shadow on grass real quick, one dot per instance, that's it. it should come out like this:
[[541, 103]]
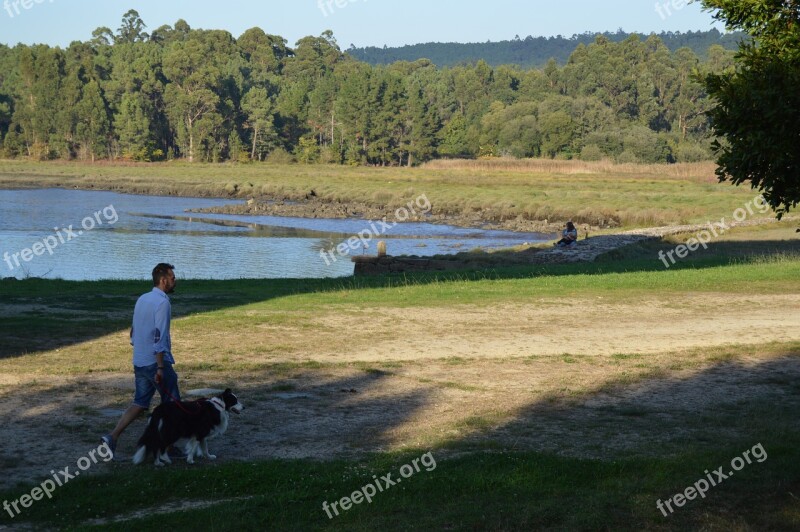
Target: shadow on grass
[[326, 417], [654, 438], [658, 436], [39, 315]]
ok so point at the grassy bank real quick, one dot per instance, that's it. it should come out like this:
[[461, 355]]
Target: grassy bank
[[594, 193]]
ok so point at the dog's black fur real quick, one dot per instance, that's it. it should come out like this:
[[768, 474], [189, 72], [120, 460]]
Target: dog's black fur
[[197, 420]]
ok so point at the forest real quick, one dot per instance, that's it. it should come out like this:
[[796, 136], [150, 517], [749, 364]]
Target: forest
[[534, 52], [205, 95]]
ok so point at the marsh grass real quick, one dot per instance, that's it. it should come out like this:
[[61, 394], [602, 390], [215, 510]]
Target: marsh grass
[[702, 172], [600, 194]]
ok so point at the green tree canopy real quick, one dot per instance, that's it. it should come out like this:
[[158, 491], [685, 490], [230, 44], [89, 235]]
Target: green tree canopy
[[757, 105], [205, 96]]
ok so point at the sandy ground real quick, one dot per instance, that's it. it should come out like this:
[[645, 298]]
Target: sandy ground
[[544, 326], [470, 378], [649, 327]]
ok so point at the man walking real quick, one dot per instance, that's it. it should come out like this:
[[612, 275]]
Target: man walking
[[152, 351]]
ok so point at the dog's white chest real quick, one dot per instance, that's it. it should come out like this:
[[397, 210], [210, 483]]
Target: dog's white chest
[[223, 418], [222, 427]]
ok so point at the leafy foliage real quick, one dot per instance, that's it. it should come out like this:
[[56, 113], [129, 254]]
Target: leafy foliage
[[757, 110]]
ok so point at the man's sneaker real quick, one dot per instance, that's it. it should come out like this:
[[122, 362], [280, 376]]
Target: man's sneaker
[[109, 441]]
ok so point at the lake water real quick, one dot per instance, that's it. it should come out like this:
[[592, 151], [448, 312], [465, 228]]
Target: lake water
[[92, 235]]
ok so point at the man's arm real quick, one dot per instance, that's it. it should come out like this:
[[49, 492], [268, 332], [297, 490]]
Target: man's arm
[[162, 317], [160, 371]]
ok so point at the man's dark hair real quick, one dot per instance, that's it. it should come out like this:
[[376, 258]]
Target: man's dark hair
[[161, 271]]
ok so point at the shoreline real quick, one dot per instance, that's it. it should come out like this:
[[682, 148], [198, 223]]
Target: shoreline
[[311, 207], [316, 208], [523, 199], [524, 196]]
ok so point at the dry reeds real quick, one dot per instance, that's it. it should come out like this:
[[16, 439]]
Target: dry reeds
[[700, 171]]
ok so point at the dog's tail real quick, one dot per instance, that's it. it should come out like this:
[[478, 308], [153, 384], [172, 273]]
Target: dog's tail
[[138, 458], [149, 442]]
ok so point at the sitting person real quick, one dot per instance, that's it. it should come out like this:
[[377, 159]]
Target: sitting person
[[570, 236]]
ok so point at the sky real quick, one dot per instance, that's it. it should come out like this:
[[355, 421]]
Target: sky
[[358, 22]]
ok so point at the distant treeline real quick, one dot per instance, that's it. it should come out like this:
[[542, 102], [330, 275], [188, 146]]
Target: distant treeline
[[204, 95], [534, 52]]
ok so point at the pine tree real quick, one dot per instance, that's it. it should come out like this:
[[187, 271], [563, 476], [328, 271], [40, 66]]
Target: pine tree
[[419, 141], [93, 124], [257, 107]]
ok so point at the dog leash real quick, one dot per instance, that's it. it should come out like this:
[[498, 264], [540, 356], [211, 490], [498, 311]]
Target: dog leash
[[164, 390]]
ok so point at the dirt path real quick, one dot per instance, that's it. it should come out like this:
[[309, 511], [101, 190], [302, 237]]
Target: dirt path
[[598, 327]]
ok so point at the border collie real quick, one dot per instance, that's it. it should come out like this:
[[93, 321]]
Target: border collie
[[197, 420]]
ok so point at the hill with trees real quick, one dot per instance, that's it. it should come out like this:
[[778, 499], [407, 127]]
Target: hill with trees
[[535, 52], [205, 95]]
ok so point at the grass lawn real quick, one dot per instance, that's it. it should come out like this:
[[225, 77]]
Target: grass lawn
[[663, 376], [493, 491]]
